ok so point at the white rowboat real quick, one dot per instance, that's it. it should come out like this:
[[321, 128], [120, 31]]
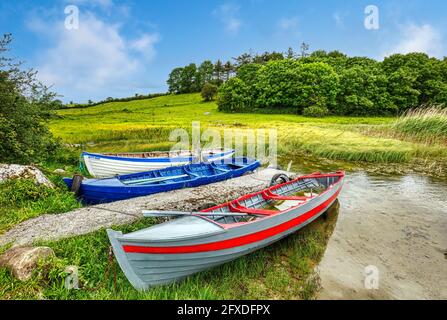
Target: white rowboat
[[109, 165]]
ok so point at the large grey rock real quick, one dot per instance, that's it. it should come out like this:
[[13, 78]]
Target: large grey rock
[[22, 261], [17, 171]]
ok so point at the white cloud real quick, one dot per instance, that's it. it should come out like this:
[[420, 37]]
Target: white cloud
[[287, 24], [288, 27], [145, 44], [228, 14], [93, 61], [416, 38]]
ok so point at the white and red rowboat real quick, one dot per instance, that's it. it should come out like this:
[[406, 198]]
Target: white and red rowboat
[[197, 241]]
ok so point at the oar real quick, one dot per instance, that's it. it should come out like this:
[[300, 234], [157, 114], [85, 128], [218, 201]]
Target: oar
[[156, 179], [155, 213]]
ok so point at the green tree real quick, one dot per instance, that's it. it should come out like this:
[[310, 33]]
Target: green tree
[[290, 53], [243, 59], [175, 80], [289, 83], [209, 91], [248, 73], [218, 72], [228, 70], [232, 96], [401, 87], [25, 107], [363, 91], [205, 73], [188, 79]]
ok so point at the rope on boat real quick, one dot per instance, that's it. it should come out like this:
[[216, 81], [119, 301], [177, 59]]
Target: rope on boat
[[111, 265], [122, 212]]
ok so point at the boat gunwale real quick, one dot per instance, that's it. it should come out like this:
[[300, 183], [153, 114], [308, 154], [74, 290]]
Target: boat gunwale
[[192, 176], [340, 174], [155, 159]]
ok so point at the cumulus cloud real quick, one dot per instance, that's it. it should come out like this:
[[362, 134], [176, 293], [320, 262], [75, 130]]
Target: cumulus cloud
[[414, 38], [93, 60], [228, 14]]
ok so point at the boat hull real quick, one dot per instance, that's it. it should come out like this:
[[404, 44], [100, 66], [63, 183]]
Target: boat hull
[[103, 166], [148, 263], [94, 191]]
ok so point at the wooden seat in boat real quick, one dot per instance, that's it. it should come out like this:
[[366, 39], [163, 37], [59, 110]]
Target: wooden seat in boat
[[268, 195], [237, 207]]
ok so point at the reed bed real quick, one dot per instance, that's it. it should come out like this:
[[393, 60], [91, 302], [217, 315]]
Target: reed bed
[[427, 125]]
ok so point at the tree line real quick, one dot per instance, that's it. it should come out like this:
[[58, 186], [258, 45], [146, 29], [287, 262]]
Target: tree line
[[323, 83], [317, 83], [192, 78]]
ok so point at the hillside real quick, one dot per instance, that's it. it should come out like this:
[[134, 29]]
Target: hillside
[[145, 125]]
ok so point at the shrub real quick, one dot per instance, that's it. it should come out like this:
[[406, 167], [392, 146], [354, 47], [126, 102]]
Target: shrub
[[315, 111], [288, 83], [25, 106], [233, 96], [209, 91]]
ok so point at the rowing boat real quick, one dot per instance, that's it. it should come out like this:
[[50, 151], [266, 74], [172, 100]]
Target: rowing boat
[[196, 241], [123, 187], [109, 165]]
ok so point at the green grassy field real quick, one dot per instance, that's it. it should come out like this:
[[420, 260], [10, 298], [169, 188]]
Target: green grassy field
[[282, 271], [145, 125]]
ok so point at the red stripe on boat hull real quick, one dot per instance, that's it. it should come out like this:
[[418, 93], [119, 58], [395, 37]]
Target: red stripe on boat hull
[[234, 242]]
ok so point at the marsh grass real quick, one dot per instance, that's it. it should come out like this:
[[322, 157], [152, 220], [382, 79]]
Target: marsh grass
[[284, 270], [427, 125]]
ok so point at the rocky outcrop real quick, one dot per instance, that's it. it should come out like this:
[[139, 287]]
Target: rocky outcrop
[[16, 171], [22, 261]]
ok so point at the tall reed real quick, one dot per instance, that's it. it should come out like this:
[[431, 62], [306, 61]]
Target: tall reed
[[424, 124]]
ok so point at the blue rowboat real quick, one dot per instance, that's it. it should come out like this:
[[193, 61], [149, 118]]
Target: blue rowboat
[[123, 187], [196, 241], [109, 165]]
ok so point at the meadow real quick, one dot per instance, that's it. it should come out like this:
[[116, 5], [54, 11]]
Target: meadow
[[282, 271], [145, 125]]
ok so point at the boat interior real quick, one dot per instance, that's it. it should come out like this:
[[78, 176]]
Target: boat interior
[[164, 154], [180, 173], [273, 200]]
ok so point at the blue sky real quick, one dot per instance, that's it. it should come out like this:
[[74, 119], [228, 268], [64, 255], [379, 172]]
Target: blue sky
[[125, 47]]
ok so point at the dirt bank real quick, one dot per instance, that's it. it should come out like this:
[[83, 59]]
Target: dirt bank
[[399, 226], [89, 219]]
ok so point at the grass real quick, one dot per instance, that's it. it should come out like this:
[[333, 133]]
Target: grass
[[284, 270], [23, 199], [424, 125], [146, 124]]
